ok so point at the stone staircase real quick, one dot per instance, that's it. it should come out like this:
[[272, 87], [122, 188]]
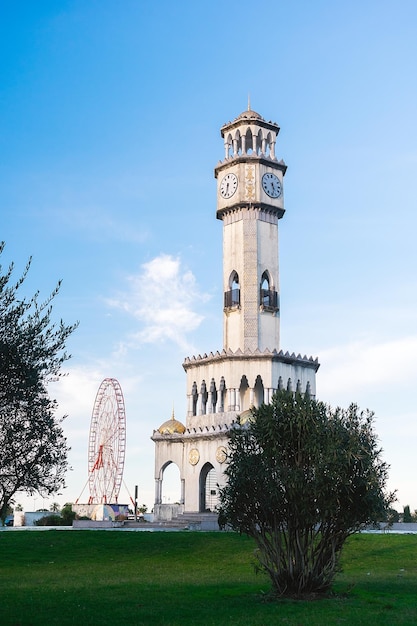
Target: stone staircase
[[183, 521], [198, 521]]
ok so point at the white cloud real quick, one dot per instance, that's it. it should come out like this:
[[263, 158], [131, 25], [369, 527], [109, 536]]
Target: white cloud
[[76, 391], [379, 375], [163, 297], [365, 365]]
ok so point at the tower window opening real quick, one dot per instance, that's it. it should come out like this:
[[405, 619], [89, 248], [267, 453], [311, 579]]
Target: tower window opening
[[244, 394], [258, 391], [268, 295], [232, 296], [237, 144], [204, 396], [194, 394], [229, 147], [222, 394], [268, 141], [213, 396], [249, 143]]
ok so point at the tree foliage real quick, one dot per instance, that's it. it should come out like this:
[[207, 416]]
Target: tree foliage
[[301, 478], [33, 449], [407, 517], [68, 514]]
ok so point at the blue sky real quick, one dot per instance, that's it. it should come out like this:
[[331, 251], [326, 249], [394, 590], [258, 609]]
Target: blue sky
[[110, 115]]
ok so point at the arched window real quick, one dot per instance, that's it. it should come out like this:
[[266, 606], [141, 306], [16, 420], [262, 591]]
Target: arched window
[[260, 142], [237, 144], [249, 147], [194, 393], [204, 396], [229, 147], [268, 144], [222, 394], [258, 391], [232, 296], [244, 394], [213, 392], [268, 295]]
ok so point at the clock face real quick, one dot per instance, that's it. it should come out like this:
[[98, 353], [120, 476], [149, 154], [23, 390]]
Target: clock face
[[228, 185], [271, 185]]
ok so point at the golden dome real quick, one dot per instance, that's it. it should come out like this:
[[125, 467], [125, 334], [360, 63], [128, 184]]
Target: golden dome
[[245, 417], [172, 427]]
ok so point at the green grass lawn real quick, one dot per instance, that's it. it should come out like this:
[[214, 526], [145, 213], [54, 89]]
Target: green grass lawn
[[101, 577]]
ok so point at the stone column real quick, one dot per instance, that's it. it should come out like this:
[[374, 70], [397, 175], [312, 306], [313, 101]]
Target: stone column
[[190, 404], [158, 491], [232, 399], [251, 396], [209, 402]]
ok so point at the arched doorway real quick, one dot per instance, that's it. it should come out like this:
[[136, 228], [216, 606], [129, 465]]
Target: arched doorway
[[171, 484], [244, 394], [258, 391], [209, 490]]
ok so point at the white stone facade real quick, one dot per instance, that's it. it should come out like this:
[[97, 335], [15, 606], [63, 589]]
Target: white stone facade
[[251, 366]]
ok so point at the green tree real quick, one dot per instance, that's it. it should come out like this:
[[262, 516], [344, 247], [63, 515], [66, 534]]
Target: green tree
[[407, 517], [67, 514], [9, 510], [301, 478], [392, 516], [33, 449]]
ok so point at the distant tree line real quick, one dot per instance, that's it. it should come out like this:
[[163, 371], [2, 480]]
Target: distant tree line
[[65, 517]]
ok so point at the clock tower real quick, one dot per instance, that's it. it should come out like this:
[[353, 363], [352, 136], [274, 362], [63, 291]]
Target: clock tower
[[251, 365]]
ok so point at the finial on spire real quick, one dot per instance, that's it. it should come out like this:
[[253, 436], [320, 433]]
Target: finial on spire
[[173, 415], [248, 101]]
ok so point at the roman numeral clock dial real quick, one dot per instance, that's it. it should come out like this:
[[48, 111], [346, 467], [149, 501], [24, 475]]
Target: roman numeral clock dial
[[271, 185]]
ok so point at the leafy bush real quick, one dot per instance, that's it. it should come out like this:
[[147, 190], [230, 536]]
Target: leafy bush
[[301, 478], [50, 520]]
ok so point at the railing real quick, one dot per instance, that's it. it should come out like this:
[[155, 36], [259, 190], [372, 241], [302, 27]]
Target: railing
[[232, 298], [269, 299]]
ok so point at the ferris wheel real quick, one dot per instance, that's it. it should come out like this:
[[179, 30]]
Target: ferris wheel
[[107, 443]]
